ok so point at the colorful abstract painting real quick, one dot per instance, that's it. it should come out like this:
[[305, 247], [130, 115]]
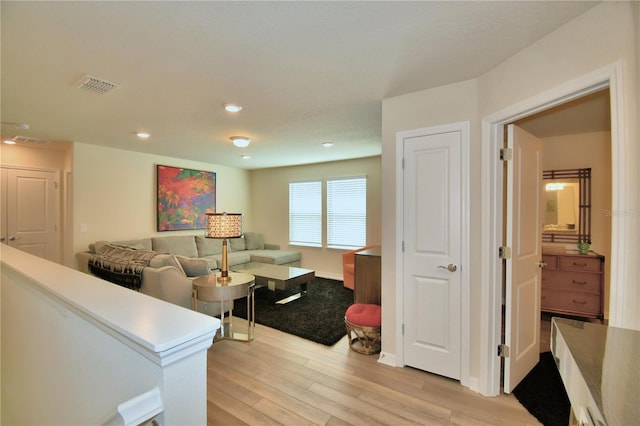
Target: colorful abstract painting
[[184, 198]]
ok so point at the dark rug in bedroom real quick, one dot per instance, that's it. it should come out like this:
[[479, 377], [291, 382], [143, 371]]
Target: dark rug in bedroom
[[542, 393], [317, 316]]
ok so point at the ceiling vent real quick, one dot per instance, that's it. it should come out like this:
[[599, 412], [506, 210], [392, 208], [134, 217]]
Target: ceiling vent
[[29, 140], [96, 85]]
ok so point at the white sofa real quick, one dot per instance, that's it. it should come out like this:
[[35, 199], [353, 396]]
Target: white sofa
[[181, 258]]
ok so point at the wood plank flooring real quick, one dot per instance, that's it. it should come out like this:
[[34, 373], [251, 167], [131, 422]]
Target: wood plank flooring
[[280, 379]]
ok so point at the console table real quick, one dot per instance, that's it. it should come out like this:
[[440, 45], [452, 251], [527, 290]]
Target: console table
[[600, 371], [208, 289]]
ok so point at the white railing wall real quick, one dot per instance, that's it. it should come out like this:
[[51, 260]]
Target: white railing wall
[[75, 348]]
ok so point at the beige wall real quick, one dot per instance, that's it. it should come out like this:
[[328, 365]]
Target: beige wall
[[604, 35], [115, 193], [598, 38], [24, 156], [270, 201]]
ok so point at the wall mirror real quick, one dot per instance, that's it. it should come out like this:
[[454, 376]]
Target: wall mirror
[[567, 210]]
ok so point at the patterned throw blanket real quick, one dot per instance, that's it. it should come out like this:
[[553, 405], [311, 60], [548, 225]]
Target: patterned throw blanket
[[121, 265]]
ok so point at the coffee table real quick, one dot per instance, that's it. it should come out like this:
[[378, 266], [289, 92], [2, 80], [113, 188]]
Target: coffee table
[[278, 277]]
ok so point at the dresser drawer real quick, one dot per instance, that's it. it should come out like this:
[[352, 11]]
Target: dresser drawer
[[550, 261], [580, 263], [576, 281], [570, 301]]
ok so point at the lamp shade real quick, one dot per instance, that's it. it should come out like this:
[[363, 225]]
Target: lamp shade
[[224, 225]]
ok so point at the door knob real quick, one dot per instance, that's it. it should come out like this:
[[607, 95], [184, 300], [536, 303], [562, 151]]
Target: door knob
[[12, 238], [450, 267]]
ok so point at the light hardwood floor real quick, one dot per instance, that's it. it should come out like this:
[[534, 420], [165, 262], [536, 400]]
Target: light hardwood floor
[[282, 379]]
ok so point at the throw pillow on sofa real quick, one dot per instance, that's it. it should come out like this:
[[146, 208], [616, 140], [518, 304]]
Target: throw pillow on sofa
[[237, 244], [166, 259], [183, 245], [208, 246], [254, 241], [193, 267]]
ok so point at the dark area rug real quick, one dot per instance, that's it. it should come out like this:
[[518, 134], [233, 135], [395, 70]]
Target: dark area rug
[[542, 393], [317, 316]]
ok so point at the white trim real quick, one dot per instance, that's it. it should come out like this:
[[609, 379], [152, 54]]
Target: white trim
[[617, 276], [389, 359], [491, 216], [465, 293], [399, 260]]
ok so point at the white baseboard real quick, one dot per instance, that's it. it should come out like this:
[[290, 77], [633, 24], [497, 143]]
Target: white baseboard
[[388, 359], [329, 275], [474, 384]]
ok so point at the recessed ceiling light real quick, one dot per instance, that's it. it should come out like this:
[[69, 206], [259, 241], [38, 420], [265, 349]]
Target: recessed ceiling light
[[143, 135], [232, 107], [327, 144], [245, 157], [241, 141], [9, 142]]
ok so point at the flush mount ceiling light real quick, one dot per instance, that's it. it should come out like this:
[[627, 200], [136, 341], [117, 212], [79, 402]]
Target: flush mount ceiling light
[[143, 135], [245, 156], [327, 144], [232, 107], [240, 141]]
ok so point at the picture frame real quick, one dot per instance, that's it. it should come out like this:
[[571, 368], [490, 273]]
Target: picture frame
[[184, 197]]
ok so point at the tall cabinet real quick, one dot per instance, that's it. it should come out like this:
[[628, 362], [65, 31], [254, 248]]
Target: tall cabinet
[[573, 284]]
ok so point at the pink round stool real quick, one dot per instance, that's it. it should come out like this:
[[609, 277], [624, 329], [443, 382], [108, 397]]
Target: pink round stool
[[364, 320]]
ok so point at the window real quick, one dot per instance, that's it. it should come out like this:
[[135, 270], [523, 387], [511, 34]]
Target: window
[[347, 212], [305, 213]]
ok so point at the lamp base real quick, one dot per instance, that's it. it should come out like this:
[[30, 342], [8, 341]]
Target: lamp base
[[224, 280]]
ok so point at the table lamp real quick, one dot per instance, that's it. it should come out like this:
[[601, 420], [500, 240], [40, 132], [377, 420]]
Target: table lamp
[[223, 226]]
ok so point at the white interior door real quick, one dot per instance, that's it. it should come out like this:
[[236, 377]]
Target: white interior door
[[432, 251], [524, 210], [31, 206]]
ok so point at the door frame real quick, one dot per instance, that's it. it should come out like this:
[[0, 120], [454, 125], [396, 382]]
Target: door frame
[[492, 206], [465, 338]]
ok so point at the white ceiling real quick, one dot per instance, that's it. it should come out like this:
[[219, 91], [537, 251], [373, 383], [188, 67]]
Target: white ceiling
[[305, 72]]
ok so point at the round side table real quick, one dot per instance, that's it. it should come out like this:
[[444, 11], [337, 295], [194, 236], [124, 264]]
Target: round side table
[[208, 289]]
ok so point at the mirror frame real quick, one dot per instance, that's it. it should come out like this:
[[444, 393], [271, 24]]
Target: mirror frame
[[584, 222]]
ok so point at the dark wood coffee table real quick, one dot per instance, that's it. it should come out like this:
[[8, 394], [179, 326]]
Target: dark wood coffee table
[[278, 277]]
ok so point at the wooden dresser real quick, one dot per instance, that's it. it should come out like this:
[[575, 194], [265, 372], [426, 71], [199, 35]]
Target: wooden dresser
[[367, 278], [573, 284]]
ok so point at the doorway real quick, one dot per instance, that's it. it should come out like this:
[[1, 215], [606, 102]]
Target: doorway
[[577, 134], [493, 206]]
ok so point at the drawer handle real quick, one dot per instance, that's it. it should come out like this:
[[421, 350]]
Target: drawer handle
[[580, 302], [579, 264], [579, 282]]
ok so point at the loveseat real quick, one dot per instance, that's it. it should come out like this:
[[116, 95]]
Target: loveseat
[[180, 258]]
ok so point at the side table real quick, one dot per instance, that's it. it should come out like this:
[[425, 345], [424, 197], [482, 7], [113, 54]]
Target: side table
[[208, 289]]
